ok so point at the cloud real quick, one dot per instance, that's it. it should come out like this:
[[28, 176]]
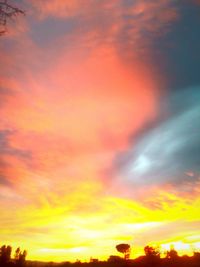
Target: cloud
[[60, 9], [167, 152], [8, 156], [54, 109], [169, 233], [5, 94], [171, 50], [54, 100], [90, 23]]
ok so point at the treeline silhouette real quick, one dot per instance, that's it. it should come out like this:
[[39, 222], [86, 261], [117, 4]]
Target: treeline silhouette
[[19, 259], [152, 258]]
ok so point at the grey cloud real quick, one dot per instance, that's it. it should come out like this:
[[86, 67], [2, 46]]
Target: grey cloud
[[7, 150], [169, 152], [138, 22]]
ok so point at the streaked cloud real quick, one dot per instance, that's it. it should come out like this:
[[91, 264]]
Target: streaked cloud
[[168, 152]]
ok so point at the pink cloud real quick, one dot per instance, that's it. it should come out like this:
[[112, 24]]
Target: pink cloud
[[74, 116], [78, 106]]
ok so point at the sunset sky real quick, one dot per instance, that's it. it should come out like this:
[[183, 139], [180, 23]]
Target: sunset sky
[[100, 127]]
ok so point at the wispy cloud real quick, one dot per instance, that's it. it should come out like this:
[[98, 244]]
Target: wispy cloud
[[170, 150]]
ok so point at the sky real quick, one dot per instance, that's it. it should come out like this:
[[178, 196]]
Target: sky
[[99, 128]]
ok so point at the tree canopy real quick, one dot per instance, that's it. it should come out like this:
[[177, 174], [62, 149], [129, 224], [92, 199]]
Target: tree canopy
[[125, 249]]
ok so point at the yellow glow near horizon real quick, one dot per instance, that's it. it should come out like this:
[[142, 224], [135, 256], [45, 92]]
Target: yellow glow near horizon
[[57, 234]]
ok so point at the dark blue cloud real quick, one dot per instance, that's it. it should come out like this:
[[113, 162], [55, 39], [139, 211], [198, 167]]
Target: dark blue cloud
[[177, 52]]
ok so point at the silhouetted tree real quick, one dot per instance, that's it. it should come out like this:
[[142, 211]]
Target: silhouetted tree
[[20, 257], [5, 254], [125, 249], [7, 12], [172, 254], [17, 253], [152, 256], [151, 251]]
